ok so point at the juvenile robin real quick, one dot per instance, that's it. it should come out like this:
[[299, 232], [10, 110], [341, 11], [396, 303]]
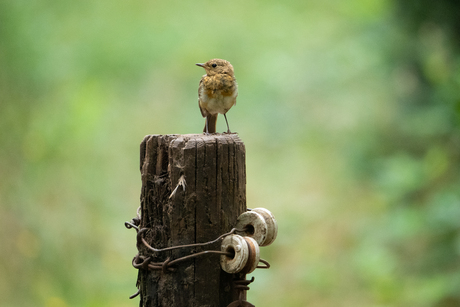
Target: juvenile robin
[[217, 92]]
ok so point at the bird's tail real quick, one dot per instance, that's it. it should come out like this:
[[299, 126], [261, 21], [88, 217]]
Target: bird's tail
[[211, 120]]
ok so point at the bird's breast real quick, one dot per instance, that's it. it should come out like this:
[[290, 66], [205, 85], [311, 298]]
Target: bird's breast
[[221, 84], [218, 93]]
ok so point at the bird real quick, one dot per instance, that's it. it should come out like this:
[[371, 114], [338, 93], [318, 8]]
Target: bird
[[217, 92]]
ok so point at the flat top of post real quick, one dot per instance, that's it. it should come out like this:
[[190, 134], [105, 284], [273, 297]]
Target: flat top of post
[[233, 136]]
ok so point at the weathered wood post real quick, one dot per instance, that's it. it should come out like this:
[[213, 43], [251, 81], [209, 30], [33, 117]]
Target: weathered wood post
[[206, 206]]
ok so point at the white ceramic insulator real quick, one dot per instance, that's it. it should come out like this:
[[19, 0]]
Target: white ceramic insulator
[[253, 225], [254, 255], [238, 245], [272, 225]]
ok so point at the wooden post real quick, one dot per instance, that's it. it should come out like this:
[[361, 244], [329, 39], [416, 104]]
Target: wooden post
[[213, 197]]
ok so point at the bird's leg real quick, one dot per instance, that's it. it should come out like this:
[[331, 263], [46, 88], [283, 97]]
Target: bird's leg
[[207, 130], [228, 128]]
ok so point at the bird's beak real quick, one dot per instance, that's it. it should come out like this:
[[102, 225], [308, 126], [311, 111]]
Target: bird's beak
[[200, 64]]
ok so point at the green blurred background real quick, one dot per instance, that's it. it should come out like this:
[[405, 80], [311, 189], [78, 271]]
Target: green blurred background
[[350, 112]]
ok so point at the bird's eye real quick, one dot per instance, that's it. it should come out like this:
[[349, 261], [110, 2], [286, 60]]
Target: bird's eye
[[214, 65]]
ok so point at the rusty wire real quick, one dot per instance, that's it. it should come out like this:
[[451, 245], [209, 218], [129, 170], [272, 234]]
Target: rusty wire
[[141, 239], [135, 294], [240, 284], [136, 221], [145, 263], [141, 262], [266, 266], [130, 225]]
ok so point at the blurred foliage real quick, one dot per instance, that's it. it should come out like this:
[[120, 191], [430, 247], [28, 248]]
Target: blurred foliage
[[350, 112]]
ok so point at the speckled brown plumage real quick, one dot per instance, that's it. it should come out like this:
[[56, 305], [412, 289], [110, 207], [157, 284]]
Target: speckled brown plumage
[[217, 92]]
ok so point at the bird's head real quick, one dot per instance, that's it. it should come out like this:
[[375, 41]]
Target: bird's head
[[217, 66]]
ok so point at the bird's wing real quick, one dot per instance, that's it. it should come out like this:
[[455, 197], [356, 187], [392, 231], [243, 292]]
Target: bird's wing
[[200, 101], [236, 92]]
